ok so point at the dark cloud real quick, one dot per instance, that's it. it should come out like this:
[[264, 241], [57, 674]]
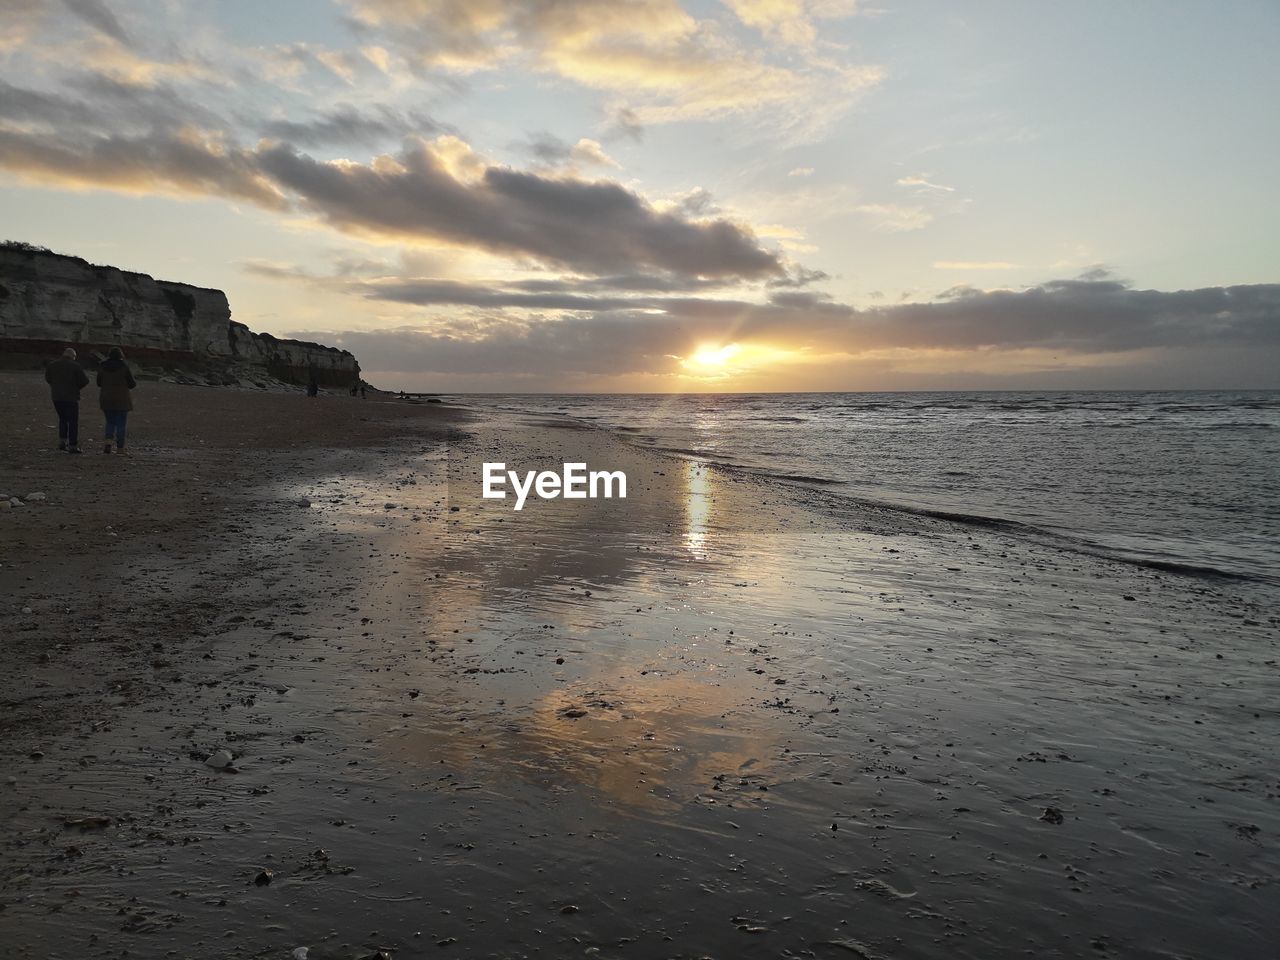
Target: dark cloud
[[606, 293], [801, 299], [375, 280], [98, 15], [596, 225], [633, 282], [102, 104], [35, 106], [344, 125], [550, 151], [146, 163], [157, 106], [798, 276], [697, 203], [1086, 316], [130, 138], [626, 124], [549, 148], [437, 292], [1234, 330]]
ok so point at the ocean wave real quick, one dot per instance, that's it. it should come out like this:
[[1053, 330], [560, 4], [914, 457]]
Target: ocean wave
[[1054, 538], [801, 478]]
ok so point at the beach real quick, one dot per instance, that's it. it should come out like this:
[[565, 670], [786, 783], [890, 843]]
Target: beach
[[727, 716]]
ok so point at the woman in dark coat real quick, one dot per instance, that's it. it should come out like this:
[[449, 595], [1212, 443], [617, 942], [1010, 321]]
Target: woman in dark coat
[[114, 383]]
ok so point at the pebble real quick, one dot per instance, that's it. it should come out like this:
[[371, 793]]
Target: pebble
[[37, 496], [220, 760]]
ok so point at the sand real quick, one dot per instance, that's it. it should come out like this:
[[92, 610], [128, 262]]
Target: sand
[[723, 717]]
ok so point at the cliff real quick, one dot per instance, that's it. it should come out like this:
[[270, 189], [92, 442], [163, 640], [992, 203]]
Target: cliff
[[49, 301]]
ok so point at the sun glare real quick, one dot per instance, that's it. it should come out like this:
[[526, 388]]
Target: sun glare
[[713, 357]]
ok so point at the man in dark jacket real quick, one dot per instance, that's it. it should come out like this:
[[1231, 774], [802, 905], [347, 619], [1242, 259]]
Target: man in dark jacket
[[114, 383], [66, 379]]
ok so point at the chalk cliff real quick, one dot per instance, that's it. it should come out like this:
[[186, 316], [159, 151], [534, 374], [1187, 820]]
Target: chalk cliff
[[48, 300]]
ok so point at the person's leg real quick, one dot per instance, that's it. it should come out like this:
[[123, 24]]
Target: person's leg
[[122, 417], [61, 407], [111, 430], [73, 425]]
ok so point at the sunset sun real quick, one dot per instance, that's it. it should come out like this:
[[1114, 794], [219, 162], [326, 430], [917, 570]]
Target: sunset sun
[[712, 357]]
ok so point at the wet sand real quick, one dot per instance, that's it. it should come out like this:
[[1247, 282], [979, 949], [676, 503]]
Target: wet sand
[[724, 717]]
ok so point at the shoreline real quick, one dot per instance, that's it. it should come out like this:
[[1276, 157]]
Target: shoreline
[[709, 720], [816, 487]]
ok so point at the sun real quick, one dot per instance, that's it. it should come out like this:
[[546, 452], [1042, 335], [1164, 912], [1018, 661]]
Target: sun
[[712, 357]]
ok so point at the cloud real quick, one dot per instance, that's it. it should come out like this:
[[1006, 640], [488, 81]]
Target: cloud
[[99, 16], [19, 20], [1076, 323], [800, 172], [184, 163], [430, 191], [626, 125], [110, 58], [589, 224], [923, 184], [556, 152], [661, 62], [345, 125], [800, 277], [41, 108], [790, 22], [589, 153]]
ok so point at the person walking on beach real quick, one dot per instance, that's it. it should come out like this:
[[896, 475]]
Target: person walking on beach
[[114, 383], [66, 379], [313, 388]]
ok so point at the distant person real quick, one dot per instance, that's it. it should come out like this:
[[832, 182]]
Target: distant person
[[66, 379], [114, 383], [313, 388], [362, 396]]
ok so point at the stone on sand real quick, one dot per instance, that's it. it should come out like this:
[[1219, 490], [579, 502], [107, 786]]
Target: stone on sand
[[220, 760]]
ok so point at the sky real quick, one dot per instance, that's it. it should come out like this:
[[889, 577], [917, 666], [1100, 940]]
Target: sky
[[659, 196]]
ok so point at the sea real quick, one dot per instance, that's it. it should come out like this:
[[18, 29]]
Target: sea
[[1187, 481]]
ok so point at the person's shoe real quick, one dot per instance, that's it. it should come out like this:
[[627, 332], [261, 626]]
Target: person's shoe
[[74, 450], [106, 448], [122, 452], [62, 444]]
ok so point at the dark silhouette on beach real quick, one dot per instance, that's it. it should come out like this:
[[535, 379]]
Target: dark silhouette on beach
[[115, 383], [66, 378]]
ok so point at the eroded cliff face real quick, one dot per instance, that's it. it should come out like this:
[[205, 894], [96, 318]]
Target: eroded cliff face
[[294, 361], [49, 301]]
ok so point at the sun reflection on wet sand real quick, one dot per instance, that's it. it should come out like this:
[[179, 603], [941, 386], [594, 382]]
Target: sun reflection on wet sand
[[697, 507], [647, 746]]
